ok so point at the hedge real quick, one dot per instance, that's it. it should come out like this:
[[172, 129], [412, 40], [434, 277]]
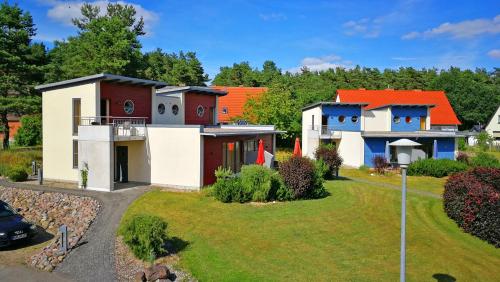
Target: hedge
[[472, 200], [436, 167]]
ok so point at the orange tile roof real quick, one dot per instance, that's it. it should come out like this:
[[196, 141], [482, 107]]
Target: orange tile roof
[[235, 100], [441, 114]]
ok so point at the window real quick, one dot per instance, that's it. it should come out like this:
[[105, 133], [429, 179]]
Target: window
[[231, 156], [354, 119], [161, 109], [175, 110], [499, 119], [77, 111], [200, 111], [396, 119], [75, 153], [251, 145], [408, 119], [341, 119], [128, 107], [312, 122], [224, 110]]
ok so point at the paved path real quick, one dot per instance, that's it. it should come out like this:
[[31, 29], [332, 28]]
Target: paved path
[[93, 260], [395, 187]]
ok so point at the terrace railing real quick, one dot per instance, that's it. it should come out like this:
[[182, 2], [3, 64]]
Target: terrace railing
[[325, 131], [122, 126]]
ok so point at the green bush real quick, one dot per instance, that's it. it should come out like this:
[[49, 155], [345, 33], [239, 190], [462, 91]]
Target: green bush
[[145, 235], [485, 160], [19, 157], [435, 168], [256, 180], [462, 145], [484, 140], [323, 169], [17, 174], [364, 168], [30, 132]]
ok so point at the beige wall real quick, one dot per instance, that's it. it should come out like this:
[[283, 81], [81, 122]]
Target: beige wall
[[57, 106], [351, 148], [310, 138], [139, 166], [175, 156], [377, 119]]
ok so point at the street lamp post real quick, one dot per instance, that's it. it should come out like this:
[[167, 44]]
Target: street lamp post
[[403, 151]]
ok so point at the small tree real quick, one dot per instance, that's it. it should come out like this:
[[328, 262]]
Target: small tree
[[30, 133], [328, 153], [484, 140]]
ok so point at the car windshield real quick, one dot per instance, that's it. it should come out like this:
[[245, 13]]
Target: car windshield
[[6, 210]]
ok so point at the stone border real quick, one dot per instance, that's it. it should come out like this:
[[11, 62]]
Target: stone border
[[49, 210]]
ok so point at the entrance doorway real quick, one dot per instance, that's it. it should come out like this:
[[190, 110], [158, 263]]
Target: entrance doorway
[[121, 167]]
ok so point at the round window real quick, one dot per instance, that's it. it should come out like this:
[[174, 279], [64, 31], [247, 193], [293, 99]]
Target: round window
[[161, 109], [200, 111], [354, 119], [341, 119], [408, 119], [175, 110], [396, 119], [128, 107]]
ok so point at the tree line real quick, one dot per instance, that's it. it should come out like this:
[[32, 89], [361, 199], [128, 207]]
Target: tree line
[[109, 41]]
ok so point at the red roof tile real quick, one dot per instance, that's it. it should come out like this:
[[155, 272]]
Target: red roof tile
[[441, 114], [235, 100]]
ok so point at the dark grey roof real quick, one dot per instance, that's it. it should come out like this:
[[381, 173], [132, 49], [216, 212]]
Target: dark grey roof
[[101, 77], [209, 90], [314, 105]]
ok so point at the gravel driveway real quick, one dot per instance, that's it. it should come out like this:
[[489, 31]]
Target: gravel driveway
[[93, 259]]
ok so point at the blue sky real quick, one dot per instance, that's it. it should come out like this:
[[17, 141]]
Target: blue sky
[[317, 34]]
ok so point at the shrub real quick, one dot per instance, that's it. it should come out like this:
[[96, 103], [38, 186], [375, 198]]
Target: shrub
[[484, 140], [380, 164], [485, 160], [145, 235], [463, 158], [30, 132], [256, 181], [300, 175], [328, 153], [17, 174], [472, 199], [322, 168], [435, 168], [19, 157], [462, 145], [228, 187]]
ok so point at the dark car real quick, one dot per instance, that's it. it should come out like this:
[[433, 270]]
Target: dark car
[[13, 227]]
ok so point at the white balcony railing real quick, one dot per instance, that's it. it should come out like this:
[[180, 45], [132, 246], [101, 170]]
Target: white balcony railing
[[327, 132], [122, 126]]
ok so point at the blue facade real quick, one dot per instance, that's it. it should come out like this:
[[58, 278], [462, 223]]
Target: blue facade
[[413, 113], [336, 113], [376, 146]]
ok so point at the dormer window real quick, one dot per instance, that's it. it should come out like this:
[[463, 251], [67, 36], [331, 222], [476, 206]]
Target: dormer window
[[341, 119], [408, 119], [224, 110], [396, 119]]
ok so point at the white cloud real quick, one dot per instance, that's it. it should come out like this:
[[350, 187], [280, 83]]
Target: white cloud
[[495, 53], [273, 17], [321, 63], [63, 12], [366, 27], [461, 30]]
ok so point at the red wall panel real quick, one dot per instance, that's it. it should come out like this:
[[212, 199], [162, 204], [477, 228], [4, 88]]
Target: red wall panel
[[212, 152], [192, 101], [117, 94]]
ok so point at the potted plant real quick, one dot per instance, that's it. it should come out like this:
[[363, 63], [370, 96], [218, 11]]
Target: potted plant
[[84, 173]]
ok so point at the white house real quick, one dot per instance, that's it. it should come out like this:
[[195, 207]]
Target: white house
[[493, 127]]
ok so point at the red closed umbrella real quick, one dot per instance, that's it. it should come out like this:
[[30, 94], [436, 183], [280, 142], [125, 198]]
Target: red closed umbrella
[[260, 153], [296, 150]]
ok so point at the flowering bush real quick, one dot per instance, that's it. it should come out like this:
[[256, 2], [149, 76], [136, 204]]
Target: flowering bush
[[472, 199]]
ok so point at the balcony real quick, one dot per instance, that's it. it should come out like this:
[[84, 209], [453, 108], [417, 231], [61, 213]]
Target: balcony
[[123, 128], [326, 132]]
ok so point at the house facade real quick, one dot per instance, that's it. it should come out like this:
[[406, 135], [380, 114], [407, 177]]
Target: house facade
[[493, 127], [125, 129], [232, 105], [361, 123]]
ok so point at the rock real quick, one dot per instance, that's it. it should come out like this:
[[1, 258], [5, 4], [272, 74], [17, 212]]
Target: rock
[[163, 280], [157, 272], [140, 277]]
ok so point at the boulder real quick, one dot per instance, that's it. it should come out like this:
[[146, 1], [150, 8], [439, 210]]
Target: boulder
[[140, 277], [157, 272]]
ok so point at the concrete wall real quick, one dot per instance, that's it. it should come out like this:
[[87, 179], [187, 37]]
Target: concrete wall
[[310, 137], [169, 101], [377, 119], [57, 107], [175, 156], [95, 150], [351, 148]]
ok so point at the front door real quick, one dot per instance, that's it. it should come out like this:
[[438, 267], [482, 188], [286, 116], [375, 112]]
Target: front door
[[121, 173]]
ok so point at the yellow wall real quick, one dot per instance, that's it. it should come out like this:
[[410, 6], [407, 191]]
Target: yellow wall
[[139, 166], [57, 107]]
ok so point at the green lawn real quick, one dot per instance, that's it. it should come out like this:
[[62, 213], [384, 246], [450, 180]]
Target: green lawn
[[421, 183], [351, 235]]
